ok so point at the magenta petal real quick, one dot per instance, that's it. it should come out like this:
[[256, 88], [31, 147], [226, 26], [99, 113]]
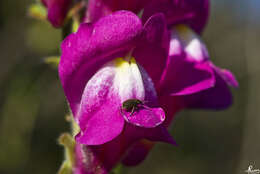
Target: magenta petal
[[183, 77], [57, 11], [145, 117], [158, 133], [155, 28], [101, 8], [227, 76], [191, 12], [188, 69], [137, 153], [152, 51], [103, 126], [87, 161], [96, 10], [218, 97], [92, 46], [99, 114], [196, 78]]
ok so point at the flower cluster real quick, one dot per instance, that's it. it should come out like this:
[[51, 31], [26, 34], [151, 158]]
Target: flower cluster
[[128, 69]]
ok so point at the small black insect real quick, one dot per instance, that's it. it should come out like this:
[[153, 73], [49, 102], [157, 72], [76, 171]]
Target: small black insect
[[132, 105]]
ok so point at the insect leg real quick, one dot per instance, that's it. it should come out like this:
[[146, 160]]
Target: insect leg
[[133, 109]]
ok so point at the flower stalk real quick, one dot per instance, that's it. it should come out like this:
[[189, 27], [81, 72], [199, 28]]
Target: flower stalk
[[68, 142]]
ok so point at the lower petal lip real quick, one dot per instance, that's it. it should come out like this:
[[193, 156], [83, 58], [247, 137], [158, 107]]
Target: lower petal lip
[[145, 117]]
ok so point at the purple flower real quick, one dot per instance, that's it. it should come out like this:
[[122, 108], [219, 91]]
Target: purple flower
[[189, 61], [183, 67], [101, 116], [114, 99], [101, 8], [57, 11], [219, 95], [188, 56], [194, 80], [193, 13], [99, 75]]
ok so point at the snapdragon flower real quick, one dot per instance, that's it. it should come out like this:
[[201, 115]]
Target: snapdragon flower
[[99, 74], [185, 20], [217, 97], [189, 62], [193, 13], [101, 8], [57, 11]]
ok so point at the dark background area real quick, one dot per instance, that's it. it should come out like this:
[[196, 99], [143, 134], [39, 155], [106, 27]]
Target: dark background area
[[33, 106]]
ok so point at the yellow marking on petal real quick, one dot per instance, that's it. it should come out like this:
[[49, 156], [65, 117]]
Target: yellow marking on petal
[[182, 28], [185, 32], [123, 64], [120, 62], [132, 60]]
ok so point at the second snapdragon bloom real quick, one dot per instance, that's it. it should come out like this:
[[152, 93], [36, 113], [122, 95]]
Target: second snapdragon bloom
[[57, 11], [187, 42], [194, 13], [101, 8], [189, 79]]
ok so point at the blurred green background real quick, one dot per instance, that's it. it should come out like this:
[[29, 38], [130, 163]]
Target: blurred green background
[[33, 107]]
